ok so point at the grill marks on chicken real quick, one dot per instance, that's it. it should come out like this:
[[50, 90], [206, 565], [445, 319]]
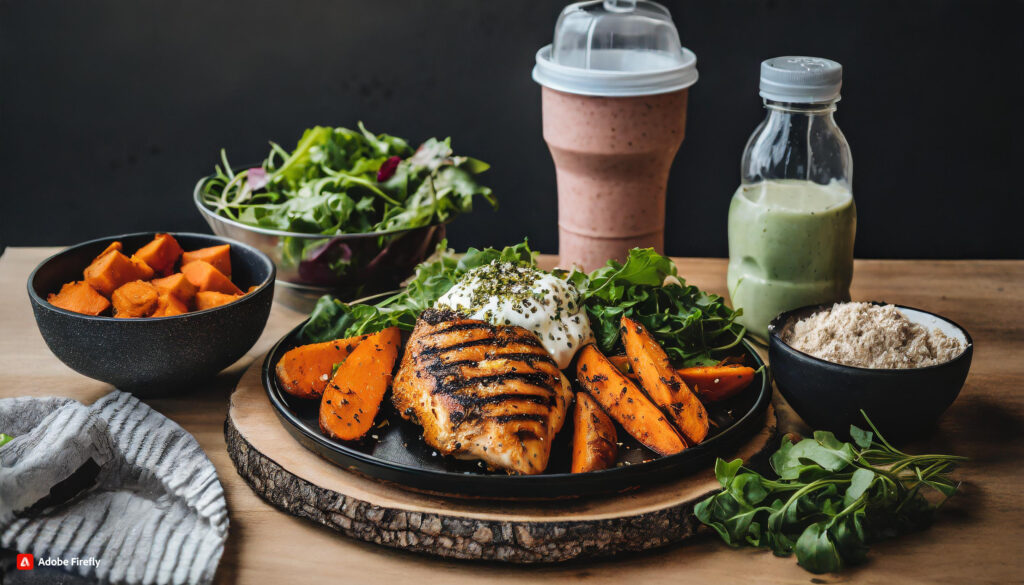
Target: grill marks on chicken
[[481, 391]]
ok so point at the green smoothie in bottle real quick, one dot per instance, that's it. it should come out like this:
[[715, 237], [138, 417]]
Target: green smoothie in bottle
[[792, 221]]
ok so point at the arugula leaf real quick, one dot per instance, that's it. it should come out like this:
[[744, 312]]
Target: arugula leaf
[[690, 324]]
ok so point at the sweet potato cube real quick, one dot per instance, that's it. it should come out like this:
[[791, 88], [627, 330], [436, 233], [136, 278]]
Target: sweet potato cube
[[161, 254], [207, 278], [168, 305], [80, 298], [115, 245], [112, 270], [208, 299], [218, 256], [134, 299], [177, 286], [145, 271]]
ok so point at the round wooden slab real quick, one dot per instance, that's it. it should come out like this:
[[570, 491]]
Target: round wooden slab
[[299, 482]]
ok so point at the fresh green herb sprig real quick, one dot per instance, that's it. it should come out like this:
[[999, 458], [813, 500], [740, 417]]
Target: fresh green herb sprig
[[5, 438], [830, 500], [333, 319], [694, 327]]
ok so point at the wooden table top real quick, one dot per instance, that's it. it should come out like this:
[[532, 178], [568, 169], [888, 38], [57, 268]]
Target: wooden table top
[[977, 538]]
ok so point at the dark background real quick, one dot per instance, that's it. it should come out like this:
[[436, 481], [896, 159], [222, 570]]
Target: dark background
[[111, 110]]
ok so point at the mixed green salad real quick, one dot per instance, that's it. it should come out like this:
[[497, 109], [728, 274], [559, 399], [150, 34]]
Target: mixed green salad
[[342, 181], [694, 327]]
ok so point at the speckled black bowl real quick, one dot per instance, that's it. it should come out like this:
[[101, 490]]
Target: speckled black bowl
[[159, 355], [904, 403]]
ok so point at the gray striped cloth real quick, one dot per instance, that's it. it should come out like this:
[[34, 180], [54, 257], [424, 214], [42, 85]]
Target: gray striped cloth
[[117, 482]]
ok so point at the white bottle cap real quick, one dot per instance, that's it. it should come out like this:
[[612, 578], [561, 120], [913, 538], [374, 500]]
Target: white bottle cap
[[801, 80], [615, 48]]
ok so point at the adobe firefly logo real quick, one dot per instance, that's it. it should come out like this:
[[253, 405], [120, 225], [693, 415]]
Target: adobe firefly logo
[[25, 562]]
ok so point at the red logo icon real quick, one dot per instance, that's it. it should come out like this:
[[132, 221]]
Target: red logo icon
[[25, 562]]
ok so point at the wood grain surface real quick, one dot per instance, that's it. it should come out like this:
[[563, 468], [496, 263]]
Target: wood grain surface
[[977, 539]]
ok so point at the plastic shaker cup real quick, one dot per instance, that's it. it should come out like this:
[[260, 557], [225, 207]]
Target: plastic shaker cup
[[614, 90]]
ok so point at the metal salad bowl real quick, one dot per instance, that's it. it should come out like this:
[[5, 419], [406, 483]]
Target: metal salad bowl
[[347, 266]]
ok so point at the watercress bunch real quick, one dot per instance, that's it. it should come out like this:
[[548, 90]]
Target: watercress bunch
[[831, 498]]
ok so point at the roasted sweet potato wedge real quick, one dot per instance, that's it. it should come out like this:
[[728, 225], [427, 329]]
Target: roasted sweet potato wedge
[[661, 382], [594, 440], [353, 396], [305, 370], [622, 363], [709, 383], [624, 402], [714, 383]]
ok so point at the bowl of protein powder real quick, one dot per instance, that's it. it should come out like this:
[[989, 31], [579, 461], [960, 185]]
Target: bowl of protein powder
[[902, 366]]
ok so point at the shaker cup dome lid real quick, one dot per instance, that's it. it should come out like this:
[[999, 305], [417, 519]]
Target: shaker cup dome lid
[[801, 80], [615, 48]]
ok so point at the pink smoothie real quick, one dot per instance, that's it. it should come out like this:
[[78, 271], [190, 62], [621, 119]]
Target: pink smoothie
[[612, 157]]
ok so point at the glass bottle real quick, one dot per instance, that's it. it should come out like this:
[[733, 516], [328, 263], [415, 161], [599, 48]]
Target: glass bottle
[[792, 221]]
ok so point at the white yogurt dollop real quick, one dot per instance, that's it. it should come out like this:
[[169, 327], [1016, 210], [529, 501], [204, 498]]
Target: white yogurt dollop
[[503, 293]]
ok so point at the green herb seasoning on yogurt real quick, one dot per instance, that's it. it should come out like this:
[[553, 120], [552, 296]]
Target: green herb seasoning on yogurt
[[503, 293]]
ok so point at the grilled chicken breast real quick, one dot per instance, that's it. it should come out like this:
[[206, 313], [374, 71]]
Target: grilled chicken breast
[[481, 391]]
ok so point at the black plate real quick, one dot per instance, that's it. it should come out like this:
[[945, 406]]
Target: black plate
[[394, 451]]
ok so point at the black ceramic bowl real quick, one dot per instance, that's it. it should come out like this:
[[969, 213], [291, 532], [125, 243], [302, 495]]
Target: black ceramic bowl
[[154, 355], [903, 403]]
